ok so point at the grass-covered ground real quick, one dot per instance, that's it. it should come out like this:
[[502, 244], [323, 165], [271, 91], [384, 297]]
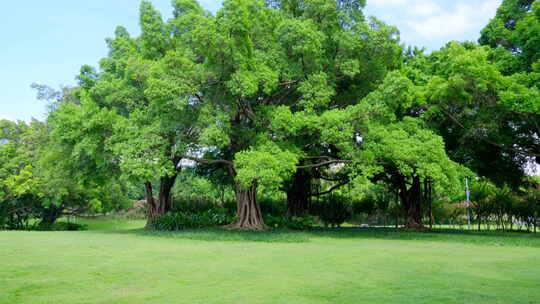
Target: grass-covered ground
[[117, 262]]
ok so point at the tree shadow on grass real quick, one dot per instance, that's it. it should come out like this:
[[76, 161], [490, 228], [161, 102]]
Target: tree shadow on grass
[[223, 235], [491, 238]]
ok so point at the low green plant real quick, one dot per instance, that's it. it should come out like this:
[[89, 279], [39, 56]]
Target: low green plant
[[333, 211], [300, 222], [272, 207], [174, 221], [194, 206], [293, 223], [60, 226], [367, 205]]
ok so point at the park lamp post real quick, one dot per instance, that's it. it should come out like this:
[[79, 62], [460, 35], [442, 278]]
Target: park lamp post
[[467, 202]]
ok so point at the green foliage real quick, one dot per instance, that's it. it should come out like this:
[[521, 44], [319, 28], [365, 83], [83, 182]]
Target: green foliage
[[195, 206], [272, 206], [267, 164], [333, 210], [193, 185], [263, 89], [481, 197], [40, 178], [60, 226], [522, 94], [180, 221], [504, 206], [411, 150], [471, 104], [367, 205], [293, 223], [144, 87], [515, 28], [530, 207]]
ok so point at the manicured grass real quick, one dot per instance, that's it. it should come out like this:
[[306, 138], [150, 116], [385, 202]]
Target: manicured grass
[[110, 223], [118, 265]]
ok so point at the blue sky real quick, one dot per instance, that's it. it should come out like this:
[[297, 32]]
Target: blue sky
[[47, 41]]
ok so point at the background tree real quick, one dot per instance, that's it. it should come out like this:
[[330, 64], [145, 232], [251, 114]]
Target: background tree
[[146, 86], [273, 76], [466, 102], [514, 34], [40, 180], [404, 155]]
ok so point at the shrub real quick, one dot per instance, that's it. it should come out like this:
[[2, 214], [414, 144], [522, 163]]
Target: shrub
[[16, 215], [272, 207], [194, 206], [333, 210], [367, 205], [174, 221], [60, 226], [300, 222], [269, 207], [294, 223], [230, 207], [3, 216], [274, 221]]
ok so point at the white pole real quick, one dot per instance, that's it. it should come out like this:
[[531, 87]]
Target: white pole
[[468, 194]]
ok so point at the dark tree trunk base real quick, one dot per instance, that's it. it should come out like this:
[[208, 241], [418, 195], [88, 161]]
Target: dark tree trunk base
[[412, 202], [299, 194], [163, 204], [248, 215]]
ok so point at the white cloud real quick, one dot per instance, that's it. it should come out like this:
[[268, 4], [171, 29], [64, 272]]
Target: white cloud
[[434, 22], [2, 116], [443, 24], [386, 3], [424, 8], [453, 22]]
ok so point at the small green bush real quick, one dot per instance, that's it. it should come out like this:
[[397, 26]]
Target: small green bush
[[230, 207], [269, 206], [333, 211], [272, 207], [174, 221], [59, 226], [294, 223], [194, 206], [300, 222], [367, 205]]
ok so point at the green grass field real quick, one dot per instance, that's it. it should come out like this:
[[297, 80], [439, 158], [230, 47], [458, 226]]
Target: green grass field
[[117, 262]]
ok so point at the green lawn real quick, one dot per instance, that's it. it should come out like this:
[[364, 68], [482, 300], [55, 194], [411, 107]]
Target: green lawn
[[119, 265]]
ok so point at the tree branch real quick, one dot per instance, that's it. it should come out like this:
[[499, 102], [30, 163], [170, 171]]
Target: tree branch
[[326, 163], [502, 147], [331, 189], [208, 161]]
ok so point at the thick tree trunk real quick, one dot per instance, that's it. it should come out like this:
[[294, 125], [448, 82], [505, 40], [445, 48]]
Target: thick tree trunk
[[428, 191], [299, 194], [397, 209], [165, 192], [412, 202], [248, 214], [163, 204]]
